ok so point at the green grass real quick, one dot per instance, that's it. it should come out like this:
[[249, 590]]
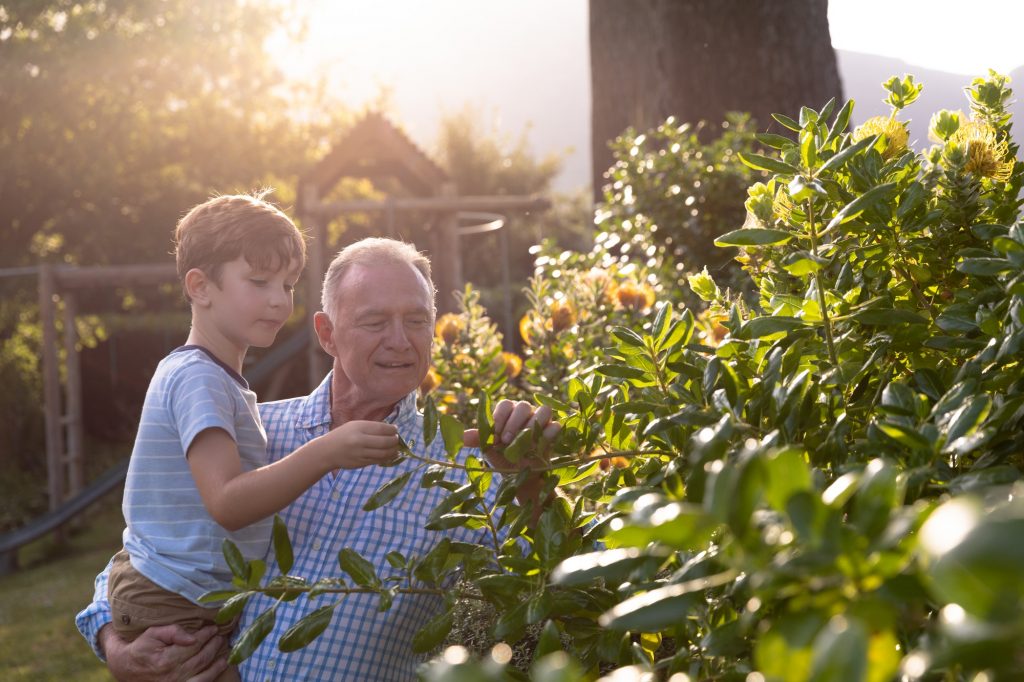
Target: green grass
[[38, 638]]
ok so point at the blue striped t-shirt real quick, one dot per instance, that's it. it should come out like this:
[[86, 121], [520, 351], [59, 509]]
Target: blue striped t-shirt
[[171, 538]]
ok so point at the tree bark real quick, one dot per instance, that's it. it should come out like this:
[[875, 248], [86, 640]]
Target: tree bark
[[698, 59]]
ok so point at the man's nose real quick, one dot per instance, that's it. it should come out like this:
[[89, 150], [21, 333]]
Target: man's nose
[[396, 335]]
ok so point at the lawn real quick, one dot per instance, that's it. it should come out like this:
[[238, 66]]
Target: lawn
[[38, 638]]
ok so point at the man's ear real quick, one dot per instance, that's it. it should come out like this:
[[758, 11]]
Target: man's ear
[[324, 329], [197, 286]]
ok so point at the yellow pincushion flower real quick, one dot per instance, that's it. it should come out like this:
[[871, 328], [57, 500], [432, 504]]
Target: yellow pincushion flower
[[895, 134], [431, 381], [987, 156], [530, 326], [634, 295], [448, 328], [563, 315], [513, 364]]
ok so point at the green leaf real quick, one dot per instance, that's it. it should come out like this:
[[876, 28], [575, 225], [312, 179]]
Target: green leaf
[[754, 236], [808, 149], [519, 447], [661, 323], [905, 436], [433, 633], [887, 317], [773, 140], [451, 431], [429, 420], [622, 372], [628, 337], [984, 267], [306, 630], [232, 607], [788, 473], [840, 651], [282, 545], [801, 263], [846, 154], [841, 122], [550, 641], [359, 569], [659, 608], [787, 122], [759, 162], [387, 492], [235, 560], [253, 636], [966, 419], [484, 420], [860, 204], [766, 326]]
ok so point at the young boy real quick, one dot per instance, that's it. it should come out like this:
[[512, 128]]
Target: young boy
[[198, 471]]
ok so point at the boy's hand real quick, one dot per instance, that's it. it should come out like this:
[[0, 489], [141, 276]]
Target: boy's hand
[[363, 443]]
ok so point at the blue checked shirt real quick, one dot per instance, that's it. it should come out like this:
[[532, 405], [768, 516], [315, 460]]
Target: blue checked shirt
[[361, 643]]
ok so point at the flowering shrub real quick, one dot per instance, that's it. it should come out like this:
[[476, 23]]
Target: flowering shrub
[[825, 487]]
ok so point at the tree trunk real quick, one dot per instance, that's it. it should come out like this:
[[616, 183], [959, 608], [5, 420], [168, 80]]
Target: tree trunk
[[698, 59]]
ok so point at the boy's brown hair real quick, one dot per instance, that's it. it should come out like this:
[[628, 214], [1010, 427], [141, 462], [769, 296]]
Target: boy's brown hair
[[221, 229]]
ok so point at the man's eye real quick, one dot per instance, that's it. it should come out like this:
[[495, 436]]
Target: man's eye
[[375, 326], [420, 322]]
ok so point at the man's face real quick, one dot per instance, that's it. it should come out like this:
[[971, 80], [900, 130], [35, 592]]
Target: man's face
[[379, 334]]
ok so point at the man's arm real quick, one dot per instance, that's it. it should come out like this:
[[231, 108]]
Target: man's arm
[[163, 653]]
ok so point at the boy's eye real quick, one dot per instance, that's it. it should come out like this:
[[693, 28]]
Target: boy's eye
[[258, 282]]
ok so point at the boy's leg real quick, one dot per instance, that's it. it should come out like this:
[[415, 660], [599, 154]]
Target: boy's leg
[[137, 603]]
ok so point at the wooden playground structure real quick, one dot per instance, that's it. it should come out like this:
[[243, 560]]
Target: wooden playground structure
[[373, 149]]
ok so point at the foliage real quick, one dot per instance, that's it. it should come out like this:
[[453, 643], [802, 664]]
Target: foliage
[[827, 489], [672, 191], [118, 115]]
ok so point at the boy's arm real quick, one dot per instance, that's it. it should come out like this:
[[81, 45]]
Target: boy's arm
[[236, 499]]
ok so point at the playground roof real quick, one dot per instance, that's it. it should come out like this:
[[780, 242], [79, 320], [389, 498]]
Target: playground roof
[[375, 148]]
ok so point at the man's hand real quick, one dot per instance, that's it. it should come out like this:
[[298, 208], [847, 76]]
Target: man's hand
[[509, 419], [165, 653]]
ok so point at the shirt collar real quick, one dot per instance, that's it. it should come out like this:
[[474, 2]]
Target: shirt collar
[[316, 407]]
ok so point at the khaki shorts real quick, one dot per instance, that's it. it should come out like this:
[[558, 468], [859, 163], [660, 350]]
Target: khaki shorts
[[137, 603]]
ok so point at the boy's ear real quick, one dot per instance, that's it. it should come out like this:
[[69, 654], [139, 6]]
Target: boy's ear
[[197, 286]]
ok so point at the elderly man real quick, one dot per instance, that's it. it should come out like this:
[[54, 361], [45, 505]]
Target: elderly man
[[377, 323]]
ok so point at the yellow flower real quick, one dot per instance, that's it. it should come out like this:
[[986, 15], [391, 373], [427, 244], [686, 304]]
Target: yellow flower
[[448, 327], [987, 156], [782, 206], [635, 296], [529, 325], [563, 315], [895, 134], [431, 381], [513, 365]]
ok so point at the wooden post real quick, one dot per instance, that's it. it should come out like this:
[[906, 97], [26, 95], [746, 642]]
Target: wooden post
[[51, 388], [446, 259], [73, 395], [316, 265]]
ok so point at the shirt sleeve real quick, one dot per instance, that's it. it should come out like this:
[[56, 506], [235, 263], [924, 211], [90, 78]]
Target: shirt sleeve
[[93, 617], [198, 398]]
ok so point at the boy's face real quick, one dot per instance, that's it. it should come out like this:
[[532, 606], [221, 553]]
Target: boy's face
[[248, 306]]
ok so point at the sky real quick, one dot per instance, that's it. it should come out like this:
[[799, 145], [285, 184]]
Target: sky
[[524, 65]]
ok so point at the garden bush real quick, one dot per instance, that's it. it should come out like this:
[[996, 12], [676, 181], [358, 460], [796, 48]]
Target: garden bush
[[821, 486]]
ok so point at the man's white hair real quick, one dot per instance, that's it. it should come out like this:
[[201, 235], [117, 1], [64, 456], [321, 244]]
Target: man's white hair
[[371, 251]]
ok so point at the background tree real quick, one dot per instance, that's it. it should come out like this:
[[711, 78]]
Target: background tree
[[697, 60]]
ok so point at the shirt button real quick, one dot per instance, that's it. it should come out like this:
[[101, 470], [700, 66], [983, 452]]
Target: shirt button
[[335, 495], [316, 544], [272, 664]]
